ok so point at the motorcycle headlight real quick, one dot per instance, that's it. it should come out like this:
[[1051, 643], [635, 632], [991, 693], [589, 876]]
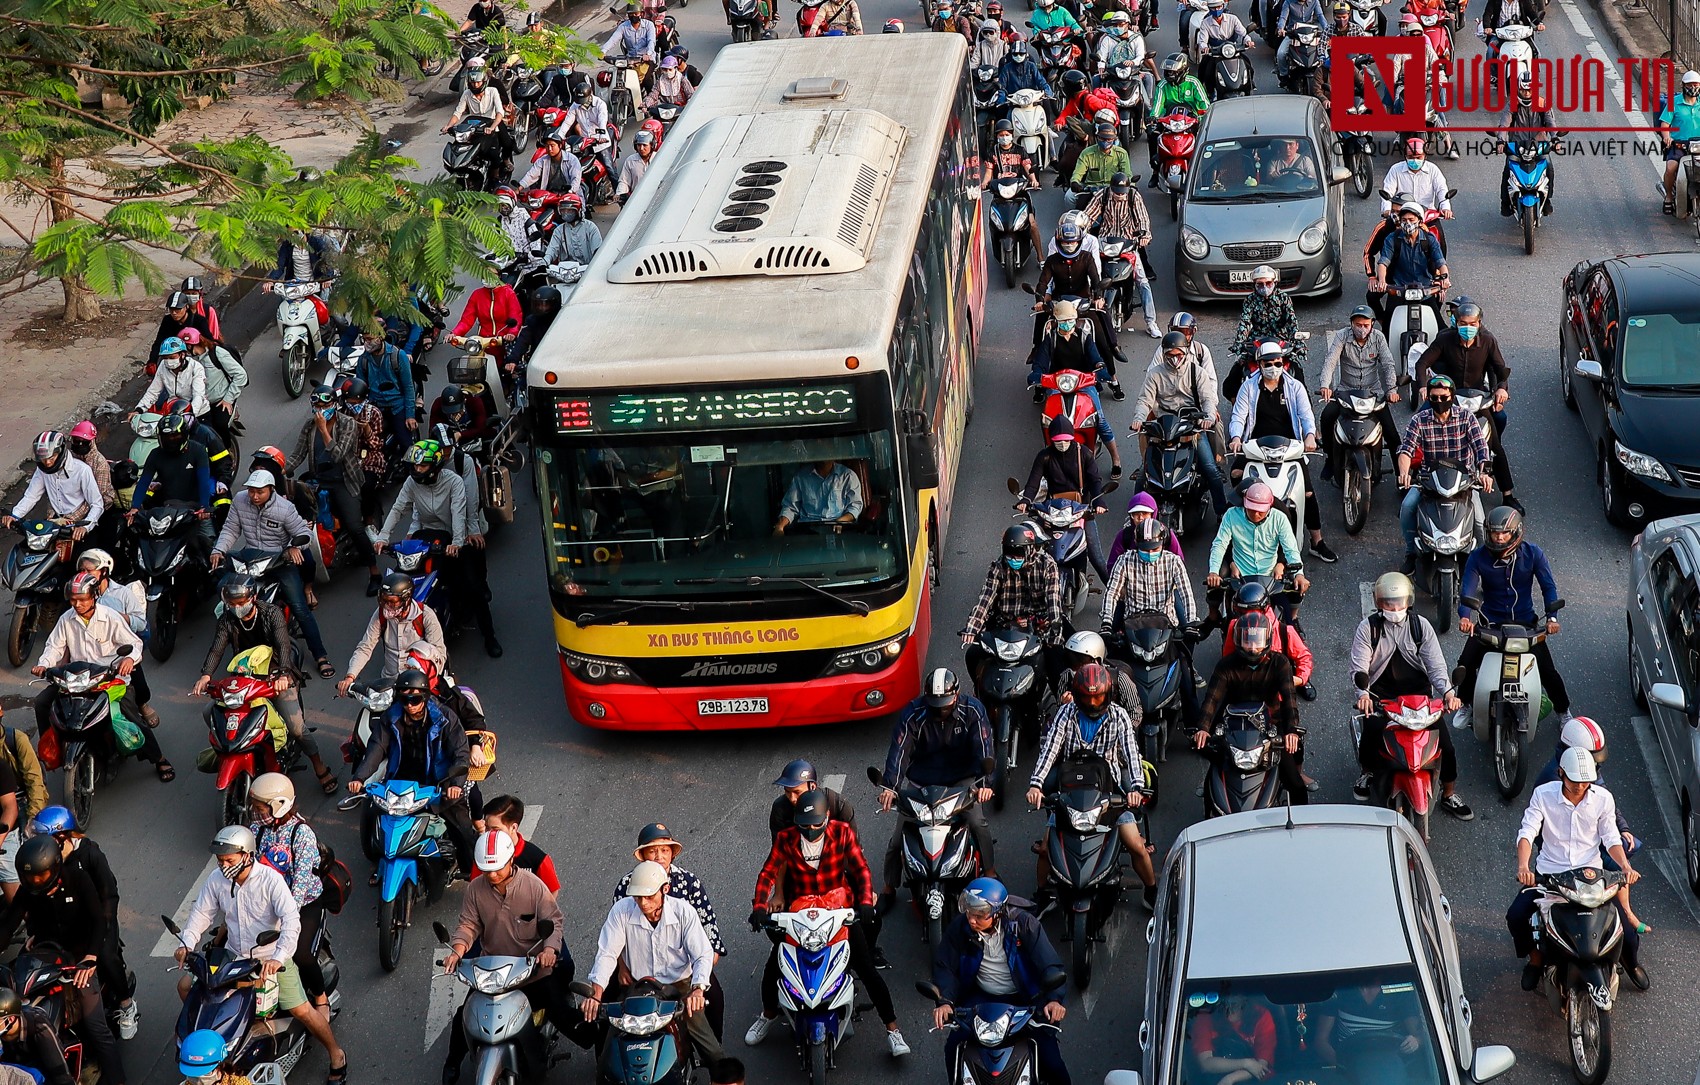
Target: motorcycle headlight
[[403, 803], [868, 658], [1589, 894], [1009, 651], [1246, 760], [642, 1024], [1639, 463], [991, 1032], [379, 700], [1086, 820], [1314, 238], [591, 669], [1021, 214], [814, 941], [145, 427], [231, 699], [1193, 243], [1067, 382], [1149, 655], [159, 523], [1516, 646], [77, 683], [35, 544], [942, 812]]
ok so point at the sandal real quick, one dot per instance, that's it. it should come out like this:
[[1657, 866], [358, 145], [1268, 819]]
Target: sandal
[[166, 773], [336, 1075], [327, 781], [312, 599], [325, 668]]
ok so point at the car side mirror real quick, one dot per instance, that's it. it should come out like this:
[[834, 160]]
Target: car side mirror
[[1668, 695], [1588, 369], [1339, 175], [1122, 1077], [1490, 1062]]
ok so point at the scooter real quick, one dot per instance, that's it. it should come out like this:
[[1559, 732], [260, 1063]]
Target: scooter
[[1368, 19], [467, 157], [1069, 395], [300, 315], [503, 1035], [81, 717], [1032, 126], [1511, 54], [243, 728], [415, 857], [42, 975], [997, 1044], [1358, 444], [1580, 932], [1177, 138], [1124, 82], [939, 856], [1505, 705], [266, 567], [1011, 209], [1169, 470], [1120, 279], [1530, 185], [1447, 530], [1245, 754], [1085, 855], [817, 990], [230, 995], [472, 45], [525, 90], [419, 559], [1007, 684], [1411, 745], [1228, 73], [1060, 524], [1304, 62], [620, 86], [989, 104], [164, 567], [647, 1042], [1057, 51], [1149, 644], [1278, 462], [1415, 322], [748, 19], [35, 572], [145, 426]]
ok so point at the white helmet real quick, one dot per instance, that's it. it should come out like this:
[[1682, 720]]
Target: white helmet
[[276, 792], [102, 560], [233, 840], [1690, 76], [1263, 271], [1582, 733], [1088, 643], [1577, 765], [493, 851]]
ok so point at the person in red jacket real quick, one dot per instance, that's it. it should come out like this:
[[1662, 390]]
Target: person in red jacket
[[496, 311], [1081, 102], [1253, 596]]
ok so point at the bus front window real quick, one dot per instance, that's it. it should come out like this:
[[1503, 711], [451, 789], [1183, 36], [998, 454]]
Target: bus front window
[[649, 517]]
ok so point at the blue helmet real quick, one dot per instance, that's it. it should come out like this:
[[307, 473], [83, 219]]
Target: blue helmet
[[173, 345], [797, 773], [200, 1053], [53, 819], [983, 895]]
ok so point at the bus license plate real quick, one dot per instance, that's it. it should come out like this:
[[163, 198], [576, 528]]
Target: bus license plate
[[1239, 276], [735, 706]]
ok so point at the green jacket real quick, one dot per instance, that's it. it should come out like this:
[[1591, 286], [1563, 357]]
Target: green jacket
[[1189, 93], [1058, 15], [1097, 166]]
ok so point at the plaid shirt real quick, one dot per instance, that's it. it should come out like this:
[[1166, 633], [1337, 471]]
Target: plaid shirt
[[1142, 586], [1458, 438], [371, 440], [1114, 742], [1032, 591], [841, 867], [1271, 317]]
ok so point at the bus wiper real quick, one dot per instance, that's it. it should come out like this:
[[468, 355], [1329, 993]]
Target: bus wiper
[[632, 606], [852, 606]]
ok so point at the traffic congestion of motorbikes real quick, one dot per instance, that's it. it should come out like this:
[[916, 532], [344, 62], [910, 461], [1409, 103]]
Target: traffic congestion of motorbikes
[[1082, 687]]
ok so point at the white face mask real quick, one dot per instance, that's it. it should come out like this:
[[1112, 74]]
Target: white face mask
[[1394, 616]]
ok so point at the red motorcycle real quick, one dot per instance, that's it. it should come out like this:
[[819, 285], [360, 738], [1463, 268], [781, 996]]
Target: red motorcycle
[[1411, 745], [1437, 25], [1058, 51], [1177, 139], [1069, 396], [243, 744], [543, 206]]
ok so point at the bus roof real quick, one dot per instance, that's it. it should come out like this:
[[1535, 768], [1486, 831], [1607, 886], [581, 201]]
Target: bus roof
[[839, 138]]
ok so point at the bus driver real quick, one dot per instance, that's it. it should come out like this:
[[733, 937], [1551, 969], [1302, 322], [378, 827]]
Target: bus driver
[[826, 493]]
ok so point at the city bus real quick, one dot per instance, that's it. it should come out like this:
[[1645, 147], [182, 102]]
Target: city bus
[[783, 317]]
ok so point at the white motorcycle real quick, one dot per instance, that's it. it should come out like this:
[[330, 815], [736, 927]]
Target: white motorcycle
[[298, 324], [145, 425], [1412, 324], [343, 361], [1191, 19], [1032, 126], [622, 91], [1278, 463], [1505, 705], [1367, 18], [817, 991]]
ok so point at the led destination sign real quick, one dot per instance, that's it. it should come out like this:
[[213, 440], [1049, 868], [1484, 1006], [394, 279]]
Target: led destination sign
[[674, 411]]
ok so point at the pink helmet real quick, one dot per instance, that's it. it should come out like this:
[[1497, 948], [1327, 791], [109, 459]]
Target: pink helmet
[[83, 430], [191, 336], [1259, 498]]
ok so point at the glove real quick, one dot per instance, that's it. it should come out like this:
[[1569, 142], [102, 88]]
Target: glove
[[1192, 632], [865, 913], [758, 918]]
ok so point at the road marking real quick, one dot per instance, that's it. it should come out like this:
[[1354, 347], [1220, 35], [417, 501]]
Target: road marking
[[1669, 859], [834, 782], [168, 943], [1115, 933], [1614, 76], [441, 1011], [1366, 597]]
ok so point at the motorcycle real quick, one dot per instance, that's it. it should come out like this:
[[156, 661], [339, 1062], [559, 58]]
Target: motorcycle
[[1123, 81], [817, 990], [43, 975], [415, 857], [1367, 18], [1505, 705], [163, 563], [1177, 139], [300, 315], [1011, 209], [506, 1040], [1357, 153], [35, 573], [1057, 51], [1033, 128], [1060, 524], [1278, 462], [81, 718], [811, 19], [748, 19], [524, 91], [997, 1045], [1007, 684], [544, 208], [1447, 530], [1305, 62], [266, 567], [1530, 185], [247, 736], [1511, 55], [1245, 754], [472, 45], [470, 159], [419, 559], [1085, 856], [1358, 444], [1069, 396], [989, 104], [621, 88], [1120, 280], [593, 167], [1580, 932], [1169, 470], [230, 995], [939, 856], [145, 426], [647, 1041], [1227, 73], [1191, 20], [1686, 194], [1415, 322], [1411, 745], [666, 112], [1437, 27], [1150, 646]]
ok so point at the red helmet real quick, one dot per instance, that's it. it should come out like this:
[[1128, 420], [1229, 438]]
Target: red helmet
[[573, 200], [272, 453], [83, 431], [1091, 689]]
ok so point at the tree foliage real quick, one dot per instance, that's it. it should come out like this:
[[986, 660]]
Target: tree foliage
[[226, 205]]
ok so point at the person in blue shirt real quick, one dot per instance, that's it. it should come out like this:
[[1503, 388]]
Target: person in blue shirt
[[824, 495], [388, 373], [1019, 71], [1410, 257], [1502, 573], [1680, 121]]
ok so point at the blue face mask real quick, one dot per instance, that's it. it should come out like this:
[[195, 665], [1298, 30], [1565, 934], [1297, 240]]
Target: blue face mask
[[1065, 325], [1413, 164], [1467, 332], [1015, 563], [1218, 15], [327, 412], [1149, 557]]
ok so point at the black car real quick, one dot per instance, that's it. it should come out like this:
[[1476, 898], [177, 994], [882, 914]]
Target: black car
[[1629, 365]]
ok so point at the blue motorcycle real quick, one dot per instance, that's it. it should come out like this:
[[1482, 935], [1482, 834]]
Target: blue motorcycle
[[994, 1041], [1150, 646], [646, 1042], [817, 991], [415, 857], [1530, 186], [419, 559]]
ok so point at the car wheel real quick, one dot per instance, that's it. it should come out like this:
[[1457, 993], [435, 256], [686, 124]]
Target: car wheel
[[1612, 497], [1564, 373], [1636, 690], [1691, 849]]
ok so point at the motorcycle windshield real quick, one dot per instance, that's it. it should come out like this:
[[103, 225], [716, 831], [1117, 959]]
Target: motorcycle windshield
[[812, 976]]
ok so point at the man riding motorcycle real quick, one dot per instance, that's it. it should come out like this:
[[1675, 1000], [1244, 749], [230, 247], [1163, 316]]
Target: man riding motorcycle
[[1678, 123], [1266, 313], [1359, 361], [1258, 412], [1410, 259], [1176, 380], [1255, 673], [1067, 470], [1528, 122], [1470, 355], [1009, 162], [67, 482], [1439, 432], [1220, 25], [1263, 544], [1177, 89], [1023, 589]]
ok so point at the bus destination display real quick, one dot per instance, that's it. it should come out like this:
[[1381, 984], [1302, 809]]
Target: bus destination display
[[674, 410]]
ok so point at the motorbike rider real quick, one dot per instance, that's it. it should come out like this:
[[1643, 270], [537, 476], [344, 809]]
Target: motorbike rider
[[1087, 647], [1253, 597], [388, 373], [1104, 159], [555, 170], [994, 950], [941, 739], [264, 519], [634, 38], [1068, 471], [81, 441], [1421, 180], [1263, 545], [1575, 819], [1019, 71], [67, 482], [816, 857], [1023, 588], [1254, 672], [330, 442], [1120, 44], [1082, 105], [483, 98], [288, 844], [1118, 210], [1396, 653], [799, 778], [1359, 361], [1065, 347], [1410, 259], [1679, 122], [304, 257], [177, 375], [1583, 733], [179, 467], [1149, 576], [353, 400], [1498, 13], [1278, 405], [1090, 720], [131, 601], [1006, 29], [655, 844], [31, 1044], [1220, 25], [988, 47], [1503, 573], [225, 379], [947, 20], [395, 626], [60, 906], [514, 219], [1006, 161], [79, 853], [1528, 122], [1295, 13], [1182, 376], [1266, 313], [1049, 14], [1440, 433], [1177, 89], [587, 118], [1470, 355], [576, 238], [634, 166], [180, 316]]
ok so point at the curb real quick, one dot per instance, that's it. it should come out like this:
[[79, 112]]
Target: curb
[[1627, 33]]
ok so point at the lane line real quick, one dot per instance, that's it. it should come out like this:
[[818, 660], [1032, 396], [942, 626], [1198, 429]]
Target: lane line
[[1366, 597], [168, 943]]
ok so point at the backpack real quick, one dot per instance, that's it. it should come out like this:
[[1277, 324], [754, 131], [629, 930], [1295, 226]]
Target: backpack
[[1378, 625], [1085, 770]]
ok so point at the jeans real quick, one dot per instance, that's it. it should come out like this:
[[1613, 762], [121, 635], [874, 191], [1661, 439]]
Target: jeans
[[1282, 52], [1519, 920], [97, 1034], [1052, 1069], [294, 592], [1212, 472], [1408, 516], [116, 980], [1474, 651], [861, 962], [1375, 762], [977, 826]]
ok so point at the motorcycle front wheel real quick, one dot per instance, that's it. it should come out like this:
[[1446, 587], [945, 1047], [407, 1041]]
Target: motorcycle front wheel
[[1589, 1029], [1354, 501], [817, 1063], [1362, 181], [1445, 599], [1528, 217], [164, 639], [1510, 758], [393, 916], [295, 370], [21, 639], [1080, 952], [81, 786], [236, 801]]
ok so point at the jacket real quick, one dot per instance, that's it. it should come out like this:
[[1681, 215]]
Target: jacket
[[267, 627], [504, 921], [1189, 92], [448, 754], [69, 915], [1480, 365], [396, 637], [389, 377], [16, 751], [318, 254], [1245, 408], [343, 449], [184, 475], [1075, 276], [1096, 166], [495, 309], [225, 376], [957, 957], [1270, 683], [1359, 367], [170, 326], [838, 808], [841, 866], [443, 506], [1287, 642], [276, 525], [578, 241], [1013, 76], [1074, 471], [190, 383], [1506, 586], [39, 1047], [933, 752]]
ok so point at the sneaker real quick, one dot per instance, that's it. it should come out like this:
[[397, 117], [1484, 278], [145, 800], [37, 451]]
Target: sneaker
[[1360, 789], [1149, 898], [1531, 977], [1409, 565], [1152, 329], [1512, 503], [1116, 392], [1115, 471], [758, 1030], [126, 1018], [1638, 976], [1323, 552], [1670, 207], [899, 1046], [1458, 808], [878, 955]]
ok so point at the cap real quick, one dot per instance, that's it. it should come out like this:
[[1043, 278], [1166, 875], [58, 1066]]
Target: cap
[[796, 774], [260, 478], [647, 880], [1577, 765], [1064, 310], [1259, 498]]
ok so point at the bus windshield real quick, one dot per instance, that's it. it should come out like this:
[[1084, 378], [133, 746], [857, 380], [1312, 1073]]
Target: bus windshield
[[687, 515]]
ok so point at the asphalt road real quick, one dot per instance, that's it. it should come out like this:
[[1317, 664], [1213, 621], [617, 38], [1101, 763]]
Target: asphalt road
[[590, 791]]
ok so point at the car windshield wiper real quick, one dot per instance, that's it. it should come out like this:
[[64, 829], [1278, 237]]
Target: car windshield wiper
[[632, 606], [851, 606]]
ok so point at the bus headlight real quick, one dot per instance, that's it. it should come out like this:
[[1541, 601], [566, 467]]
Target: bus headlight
[[591, 669], [867, 659]]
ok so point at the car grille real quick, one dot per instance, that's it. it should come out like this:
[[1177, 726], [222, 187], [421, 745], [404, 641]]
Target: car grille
[[1219, 281], [1690, 476], [1254, 250]]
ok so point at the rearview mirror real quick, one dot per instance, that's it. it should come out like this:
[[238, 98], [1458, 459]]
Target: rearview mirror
[[1053, 978], [1490, 1062], [928, 990], [1588, 369], [1122, 1077], [581, 988], [440, 931], [1014, 487], [1557, 605], [875, 776], [923, 455], [1668, 695], [266, 938], [1472, 602], [1339, 175], [171, 925]]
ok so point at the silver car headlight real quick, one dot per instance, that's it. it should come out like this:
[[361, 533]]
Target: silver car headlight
[[1639, 463], [1314, 238], [1194, 244]]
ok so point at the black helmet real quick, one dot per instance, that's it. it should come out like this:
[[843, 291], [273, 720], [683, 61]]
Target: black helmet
[[681, 52], [1018, 50], [583, 91], [412, 680], [1506, 521], [811, 814], [192, 285], [125, 474], [176, 426], [1151, 537], [941, 689], [1003, 125], [177, 300], [1073, 82], [1175, 340], [351, 388], [10, 1004], [1019, 541], [237, 587], [798, 772], [546, 299], [1466, 309], [397, 585], [1174, 67], [38, 863], [1252, 596]]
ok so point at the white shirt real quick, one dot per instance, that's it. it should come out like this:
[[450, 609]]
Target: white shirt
[[811, 850], [261, 903], [995, 976], [1427, 186], [1571, 835], [130, 600], [190, 383], [671, 950], [97, 640], [68, 489]]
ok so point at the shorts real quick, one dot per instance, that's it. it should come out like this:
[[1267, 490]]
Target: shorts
[[290, 993], [9, 858], [1126, 817], [1677, 151]]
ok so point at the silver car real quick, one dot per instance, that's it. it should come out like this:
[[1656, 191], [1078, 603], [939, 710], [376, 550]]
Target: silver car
[[1263, 188], [1664, 659], [1307, 940]]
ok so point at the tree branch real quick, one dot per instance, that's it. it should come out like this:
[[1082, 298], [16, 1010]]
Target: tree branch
[[121, 73], [128, 133]]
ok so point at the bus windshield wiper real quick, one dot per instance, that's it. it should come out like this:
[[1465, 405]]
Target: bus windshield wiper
[[851, 606], [632, 606]]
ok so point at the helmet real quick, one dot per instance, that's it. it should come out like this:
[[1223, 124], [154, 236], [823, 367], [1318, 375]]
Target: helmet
[[1262, 272], [1104, 128], [1119, 184], [84, 431], [583, 91], [236, 588], [275, 790], [234, 840], [893, 26], [506, 198], [797, 773], [1252, 635], [190, 336], [200, 1053], [811, 812], [1508, 522], [50, 450], [53, 819], [1003, 125], [38, 863], [1363, 311], [1259, 498], [1069, 237], [1175, 67], [351, 388], [125, 473], [576, 202], [1341, 7], [102, 560], [1073, 82], [547, 299], [1581, 732], [982, 896], [1175, 340], [941, 689], [1466, 310], [83, 584], [323, 395], [1411, 207], [476, 75], [1117, 18], [175, 424], [177, 300], [268, 457], [172, 345], [1439, 380], [681, 52], [1253, 597], [1151, 537], [427, 455], [669, 63], [1019, 541], [644, 139], [1017, 50], [1091, 688], [192, 285], [1271, 351], [493, 851], [1089, 644], [1393, 588], [1183, 322], [1576, 764], [412, 680], [10, 1004]]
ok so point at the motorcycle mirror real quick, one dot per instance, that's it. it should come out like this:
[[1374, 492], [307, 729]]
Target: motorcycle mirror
[[349, 802], [545, 927], [1557, 605], [1014, 487], [1386, 195], [1471, 601], [928, 990], [1054, 977], [1110, 489], [1451, 192], [874, 776], [1028, 288], [581, 989], [266, 938], [440, 931], [171, 925]]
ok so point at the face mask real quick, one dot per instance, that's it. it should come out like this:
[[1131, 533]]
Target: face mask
[[1119, 32], [231, 873], [1065, 326], [1062, 446], [1394, 616], [327, 413], [1149, 557], [1015, 563], [242, 610], [1106, 144], [1006, 140], [1360, 334], [1413, 164], [1271, 372], [1691, 93], [1174, 361], [1264, 289], [811, 833], [1440, 404], [393, 611], [1467, 332], [1409, 229], [1218, 16]]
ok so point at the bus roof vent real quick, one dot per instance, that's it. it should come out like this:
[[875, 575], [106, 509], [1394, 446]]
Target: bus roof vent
[[797, 192], [816, 89]]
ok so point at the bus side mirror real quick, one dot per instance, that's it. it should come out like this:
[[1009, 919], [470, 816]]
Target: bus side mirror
[[923, 456]]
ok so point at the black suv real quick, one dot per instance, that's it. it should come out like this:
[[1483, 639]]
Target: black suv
[[1629, 363]]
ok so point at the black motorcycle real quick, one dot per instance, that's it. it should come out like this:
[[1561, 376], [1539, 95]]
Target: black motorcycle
[[1011, 211], [35, 571], [1007, 683], [990, 105], [1151, 647], [173, 575], [1245, 753], [1447, 531], [939, 856], [472, 157], [81, 717], [1580, 932], [1305, 53], [747, 19], [43, 976], [1170, 472], [1358, 445], [1085, 854], [1225, 71], [1123, 81]]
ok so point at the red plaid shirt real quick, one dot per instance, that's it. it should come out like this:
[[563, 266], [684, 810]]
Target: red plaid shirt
[[841, 865]]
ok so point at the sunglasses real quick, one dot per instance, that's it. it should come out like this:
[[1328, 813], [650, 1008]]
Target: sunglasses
[[324, 398], [413, 699]]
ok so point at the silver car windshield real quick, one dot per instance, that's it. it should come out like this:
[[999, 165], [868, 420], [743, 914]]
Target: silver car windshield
[[1257, 170]]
